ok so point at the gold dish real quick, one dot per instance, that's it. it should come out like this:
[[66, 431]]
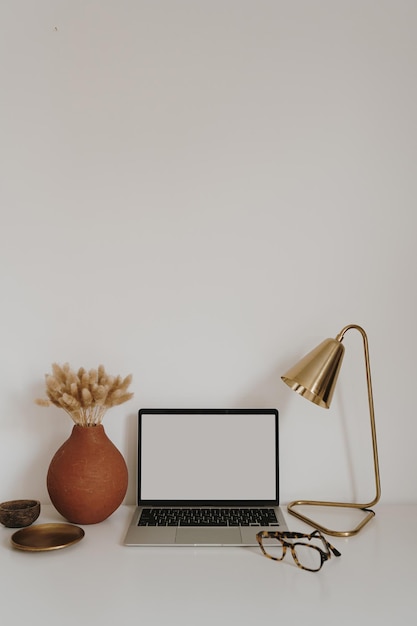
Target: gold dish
[[46, 537]]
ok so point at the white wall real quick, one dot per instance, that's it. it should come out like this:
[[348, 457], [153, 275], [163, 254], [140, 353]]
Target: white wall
[[198, 192]]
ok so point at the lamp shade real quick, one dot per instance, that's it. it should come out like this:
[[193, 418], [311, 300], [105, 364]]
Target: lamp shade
[[315, 376]]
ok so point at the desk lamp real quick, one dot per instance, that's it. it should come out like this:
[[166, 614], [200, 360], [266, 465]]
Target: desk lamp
[[314, 378]]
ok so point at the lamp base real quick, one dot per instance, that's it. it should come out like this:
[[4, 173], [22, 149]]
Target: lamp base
[[369, 514]]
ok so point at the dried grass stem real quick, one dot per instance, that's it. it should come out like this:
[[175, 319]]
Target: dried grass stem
[[85, 395]]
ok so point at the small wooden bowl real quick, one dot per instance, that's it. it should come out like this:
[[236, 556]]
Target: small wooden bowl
[[19, 513]]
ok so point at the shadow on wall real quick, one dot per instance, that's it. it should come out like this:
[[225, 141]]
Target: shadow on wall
[[267, 392], [39, 431], [131, 455]]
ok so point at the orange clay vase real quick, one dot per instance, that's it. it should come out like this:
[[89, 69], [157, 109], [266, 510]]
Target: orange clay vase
[[87, 478]]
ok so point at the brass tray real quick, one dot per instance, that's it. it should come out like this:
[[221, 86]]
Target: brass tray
[[42, 537]]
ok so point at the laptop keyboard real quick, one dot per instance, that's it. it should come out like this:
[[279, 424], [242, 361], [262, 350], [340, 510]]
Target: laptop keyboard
[[208, 517]]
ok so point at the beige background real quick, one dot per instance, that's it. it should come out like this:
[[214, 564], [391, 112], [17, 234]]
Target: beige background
[[199, 192]]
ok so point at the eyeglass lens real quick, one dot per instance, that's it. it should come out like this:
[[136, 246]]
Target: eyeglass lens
[[306, 554]]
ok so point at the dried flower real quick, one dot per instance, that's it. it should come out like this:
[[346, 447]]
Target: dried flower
[[85, 395]]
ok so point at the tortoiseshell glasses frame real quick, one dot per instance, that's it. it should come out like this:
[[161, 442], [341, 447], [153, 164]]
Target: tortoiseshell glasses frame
[[323, 554]]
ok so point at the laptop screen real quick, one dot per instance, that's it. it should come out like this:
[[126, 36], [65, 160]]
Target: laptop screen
[[208, 456]]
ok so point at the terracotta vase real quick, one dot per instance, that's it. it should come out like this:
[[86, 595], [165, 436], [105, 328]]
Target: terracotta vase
[[87, 477]]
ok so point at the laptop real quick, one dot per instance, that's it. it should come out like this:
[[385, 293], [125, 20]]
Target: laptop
[[206, 477]]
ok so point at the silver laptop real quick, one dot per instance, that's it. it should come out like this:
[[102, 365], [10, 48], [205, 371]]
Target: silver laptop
[[206, 477]]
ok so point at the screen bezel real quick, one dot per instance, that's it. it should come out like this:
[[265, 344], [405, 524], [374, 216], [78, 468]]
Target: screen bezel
[[209, 503]]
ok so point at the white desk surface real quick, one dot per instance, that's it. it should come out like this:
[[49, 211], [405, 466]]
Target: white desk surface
[[100, 581]]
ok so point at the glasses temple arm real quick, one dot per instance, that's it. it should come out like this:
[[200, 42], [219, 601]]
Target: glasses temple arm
[[334, 550], [317, 533]]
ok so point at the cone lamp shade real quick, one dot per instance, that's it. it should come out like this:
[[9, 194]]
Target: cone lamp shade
[[315, 378]]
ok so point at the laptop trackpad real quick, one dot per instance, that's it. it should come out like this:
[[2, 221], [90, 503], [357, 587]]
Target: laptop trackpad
[[208, 536]]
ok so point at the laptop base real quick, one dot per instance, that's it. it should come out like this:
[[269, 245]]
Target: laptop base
[[196, 536]]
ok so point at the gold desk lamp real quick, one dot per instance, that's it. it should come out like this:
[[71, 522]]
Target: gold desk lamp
[[314, 378]]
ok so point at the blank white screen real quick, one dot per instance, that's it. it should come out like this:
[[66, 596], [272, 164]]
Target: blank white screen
[[208, 457]]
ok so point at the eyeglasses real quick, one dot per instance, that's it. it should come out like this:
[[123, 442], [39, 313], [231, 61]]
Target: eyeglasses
[[309, 556]]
